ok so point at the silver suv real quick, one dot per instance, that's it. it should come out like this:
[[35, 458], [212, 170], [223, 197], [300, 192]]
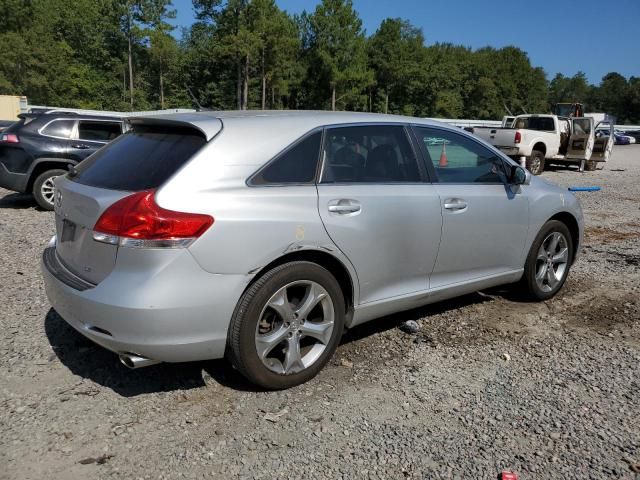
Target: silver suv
[[262, 236]]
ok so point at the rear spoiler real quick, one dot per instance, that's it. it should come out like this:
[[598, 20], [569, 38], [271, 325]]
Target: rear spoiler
[[207, 124], [28, 117]]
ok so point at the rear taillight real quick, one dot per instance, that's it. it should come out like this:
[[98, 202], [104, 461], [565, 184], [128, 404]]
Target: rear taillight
[[9, 138], [517, 138], [138, 221]]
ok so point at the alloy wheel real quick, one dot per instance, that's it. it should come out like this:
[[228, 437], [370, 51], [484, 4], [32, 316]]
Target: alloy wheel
[[295, 327], [48, 190], [552, 261]]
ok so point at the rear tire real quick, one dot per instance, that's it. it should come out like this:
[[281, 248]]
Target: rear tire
[[43, 188], [548, 262], [590, 165], [287, 325], [535, 163]]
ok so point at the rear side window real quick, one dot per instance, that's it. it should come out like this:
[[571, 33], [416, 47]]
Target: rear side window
[[59, 128], [296, 165], [142, 159], [369, 154], [98, 131]]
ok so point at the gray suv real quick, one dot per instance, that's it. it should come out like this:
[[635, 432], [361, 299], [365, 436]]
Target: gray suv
[[262, 236]]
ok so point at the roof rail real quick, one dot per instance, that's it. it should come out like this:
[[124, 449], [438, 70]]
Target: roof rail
[[60, 111]]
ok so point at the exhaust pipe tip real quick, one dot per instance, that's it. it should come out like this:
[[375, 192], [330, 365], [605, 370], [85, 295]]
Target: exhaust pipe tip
[[133, 361]]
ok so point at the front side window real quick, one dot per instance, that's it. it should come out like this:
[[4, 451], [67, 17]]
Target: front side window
[[581, 126], [98, 131], [459, 159], [369, 154], [59, 128], [296, 165]]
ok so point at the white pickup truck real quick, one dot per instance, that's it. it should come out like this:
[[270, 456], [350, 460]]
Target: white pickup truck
[[536, 139]]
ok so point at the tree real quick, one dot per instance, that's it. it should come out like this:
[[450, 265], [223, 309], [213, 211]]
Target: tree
[[337, 51], [611, 95], [164, 54], [137, 19], [395, 55], [632, 101], [129, 12], [238, 43], [208, 70], [520, 86], [569, 89], [446, 85], [163, 49], [121, 54], [277, 40]]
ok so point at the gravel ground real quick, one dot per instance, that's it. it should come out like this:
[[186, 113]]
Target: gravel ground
[[488, 383]]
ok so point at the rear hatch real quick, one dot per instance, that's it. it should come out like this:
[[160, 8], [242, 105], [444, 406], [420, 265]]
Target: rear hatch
[[12, 154], [142, 159]]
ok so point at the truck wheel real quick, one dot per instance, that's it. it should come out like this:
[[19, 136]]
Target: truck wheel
[[590, 165], [535, 163], [43, 188]]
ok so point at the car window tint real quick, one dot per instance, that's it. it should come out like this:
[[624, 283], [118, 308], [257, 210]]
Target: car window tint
[[98, 131], [295, 165], [142, 159], [369, 154], [459, 159], [59, 128]]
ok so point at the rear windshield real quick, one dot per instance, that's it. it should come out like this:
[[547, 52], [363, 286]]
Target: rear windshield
[[142, 159], [14, 127], [535, 123]]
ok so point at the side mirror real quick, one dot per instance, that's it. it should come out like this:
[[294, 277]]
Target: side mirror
[[520, 176]]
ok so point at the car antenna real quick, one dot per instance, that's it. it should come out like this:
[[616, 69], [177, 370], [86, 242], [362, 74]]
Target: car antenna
[[195, 100]]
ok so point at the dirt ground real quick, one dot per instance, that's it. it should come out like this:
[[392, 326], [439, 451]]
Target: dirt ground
[[489, 383]]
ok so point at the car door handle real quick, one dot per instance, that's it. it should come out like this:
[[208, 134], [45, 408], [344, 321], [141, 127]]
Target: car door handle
[[344, 206], [455, 204], [81, 146]]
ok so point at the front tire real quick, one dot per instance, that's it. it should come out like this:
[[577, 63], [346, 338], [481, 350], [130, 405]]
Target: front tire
[[44, 189], [535, 163], [287, 325], [590, 165], [548, 262]]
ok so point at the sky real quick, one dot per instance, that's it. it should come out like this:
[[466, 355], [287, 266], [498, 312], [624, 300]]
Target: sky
[[565, 36]]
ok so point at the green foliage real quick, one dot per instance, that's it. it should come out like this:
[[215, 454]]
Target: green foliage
[[123, 55], [632, 101], [396, 56], [569, 89], [336, 55]]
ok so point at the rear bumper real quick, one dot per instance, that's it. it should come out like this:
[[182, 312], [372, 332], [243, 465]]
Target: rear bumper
[[510, 151], [13, 181], [178, 314]]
